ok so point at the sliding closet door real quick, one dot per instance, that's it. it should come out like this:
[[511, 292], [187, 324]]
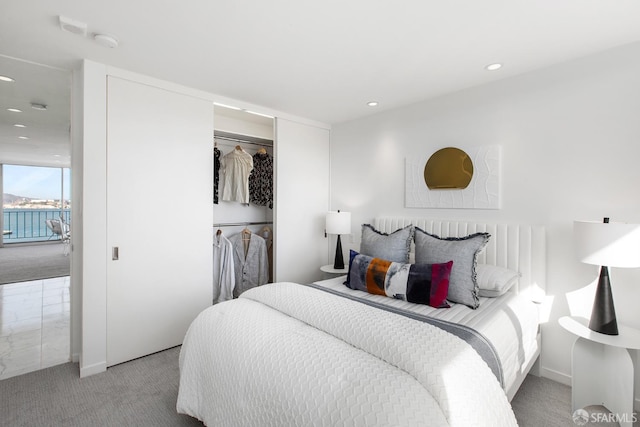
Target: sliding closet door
[[159, 216], [302, 201]]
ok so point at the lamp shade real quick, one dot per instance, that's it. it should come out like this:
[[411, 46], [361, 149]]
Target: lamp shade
[[338, 222], [607, 243]]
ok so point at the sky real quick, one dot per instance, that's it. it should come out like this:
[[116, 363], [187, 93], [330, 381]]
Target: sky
[[35, 182]]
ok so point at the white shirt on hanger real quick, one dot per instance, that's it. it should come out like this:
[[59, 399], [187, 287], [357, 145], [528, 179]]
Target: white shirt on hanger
[[236, 167], [224, 278]]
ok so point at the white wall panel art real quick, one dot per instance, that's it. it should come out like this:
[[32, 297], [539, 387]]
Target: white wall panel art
[[483, 192]]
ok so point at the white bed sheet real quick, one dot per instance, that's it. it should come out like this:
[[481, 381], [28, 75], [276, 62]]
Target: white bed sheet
[[509, 322]]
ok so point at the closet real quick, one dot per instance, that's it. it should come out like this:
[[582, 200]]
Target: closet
[[148, 219], [243, 220], [300, 191]]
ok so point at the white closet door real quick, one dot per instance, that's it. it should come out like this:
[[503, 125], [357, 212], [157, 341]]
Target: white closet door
[[159, 216], [302, 201]]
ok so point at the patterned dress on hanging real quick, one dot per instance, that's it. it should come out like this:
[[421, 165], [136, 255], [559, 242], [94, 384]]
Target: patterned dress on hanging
[[261, 180], [216, 173]]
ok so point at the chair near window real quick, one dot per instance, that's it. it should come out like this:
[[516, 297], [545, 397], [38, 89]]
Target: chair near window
[[60, 228]]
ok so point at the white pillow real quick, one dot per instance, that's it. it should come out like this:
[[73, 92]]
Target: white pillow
[[494, 281]]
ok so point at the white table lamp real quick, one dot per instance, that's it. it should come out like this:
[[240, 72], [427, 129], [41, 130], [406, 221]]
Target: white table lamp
[[607, 245], [338, 223]]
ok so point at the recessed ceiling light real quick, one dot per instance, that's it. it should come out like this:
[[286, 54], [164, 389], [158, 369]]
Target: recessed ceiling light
[[372, 103], [14, 110], [493, 67], [18, 125], [6, 79], [37, 106], [23, 137]]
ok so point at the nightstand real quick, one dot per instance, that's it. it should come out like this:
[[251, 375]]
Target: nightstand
[[602, 371], [329, 269]]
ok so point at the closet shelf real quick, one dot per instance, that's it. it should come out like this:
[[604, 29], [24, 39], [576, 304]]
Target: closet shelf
[[245, 139]]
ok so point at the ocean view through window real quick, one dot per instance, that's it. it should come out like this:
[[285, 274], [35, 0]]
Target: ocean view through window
[[30, 196]]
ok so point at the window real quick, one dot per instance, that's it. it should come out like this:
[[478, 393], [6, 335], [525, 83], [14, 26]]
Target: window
[[31, 195]]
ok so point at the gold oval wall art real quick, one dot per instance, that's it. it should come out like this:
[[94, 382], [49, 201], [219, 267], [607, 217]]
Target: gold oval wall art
[[448, 169]]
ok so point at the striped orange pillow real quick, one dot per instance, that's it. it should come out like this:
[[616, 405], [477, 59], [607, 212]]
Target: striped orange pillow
[[416, 283]]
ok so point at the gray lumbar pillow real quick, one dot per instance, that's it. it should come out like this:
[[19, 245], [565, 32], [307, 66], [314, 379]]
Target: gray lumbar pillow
[[392, 247], [463, 251]]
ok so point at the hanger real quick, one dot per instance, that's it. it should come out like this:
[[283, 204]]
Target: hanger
[[266, 234], [262, 151], [246, 234], [219, 232], [238, 148]]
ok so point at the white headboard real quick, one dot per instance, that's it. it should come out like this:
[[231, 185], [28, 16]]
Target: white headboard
[[519, 247]]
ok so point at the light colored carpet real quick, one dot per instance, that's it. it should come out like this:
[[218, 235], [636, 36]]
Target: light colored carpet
[[143, 392], [32, 262], [541, 402]]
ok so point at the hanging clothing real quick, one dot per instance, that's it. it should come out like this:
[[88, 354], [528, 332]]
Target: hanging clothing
[[267, 234], [261, 180], [224, 278], [216, 173], [252, 269], [236, 166]]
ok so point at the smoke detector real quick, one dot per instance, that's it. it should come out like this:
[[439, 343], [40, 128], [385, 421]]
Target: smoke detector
[[72, 26], [106, 40]]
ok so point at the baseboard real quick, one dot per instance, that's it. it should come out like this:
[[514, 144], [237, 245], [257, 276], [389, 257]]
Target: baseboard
[[97, 368], [555, 376], [566, 380], [75, 357]]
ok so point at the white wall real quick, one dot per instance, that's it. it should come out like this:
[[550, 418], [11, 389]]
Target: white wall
[[89, 304], [570, 138]]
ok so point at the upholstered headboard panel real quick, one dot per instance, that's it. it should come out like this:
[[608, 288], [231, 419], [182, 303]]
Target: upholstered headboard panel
[[519, 247]]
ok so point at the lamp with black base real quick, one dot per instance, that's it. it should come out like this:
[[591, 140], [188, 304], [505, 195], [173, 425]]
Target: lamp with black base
[[338, 223], [607, 245]]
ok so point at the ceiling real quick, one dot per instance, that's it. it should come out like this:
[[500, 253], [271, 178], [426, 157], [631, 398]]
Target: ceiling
[[48, 142], [322, 60]]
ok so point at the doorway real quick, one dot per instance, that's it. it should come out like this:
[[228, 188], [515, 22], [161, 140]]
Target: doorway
[[35, 178]]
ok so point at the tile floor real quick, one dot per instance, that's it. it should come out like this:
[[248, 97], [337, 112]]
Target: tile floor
[[34, 325]]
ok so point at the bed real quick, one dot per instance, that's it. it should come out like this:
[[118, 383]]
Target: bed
[[325, 354]]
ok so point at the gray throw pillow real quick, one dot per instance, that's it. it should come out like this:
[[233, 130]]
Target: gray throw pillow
[[463, 251], [393, 247]]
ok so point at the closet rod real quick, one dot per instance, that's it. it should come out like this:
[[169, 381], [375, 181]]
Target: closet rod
[[231, 224], [242, 141]]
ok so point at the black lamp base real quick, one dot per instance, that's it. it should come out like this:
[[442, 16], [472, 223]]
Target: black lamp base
[[338, 263], [603, 314]]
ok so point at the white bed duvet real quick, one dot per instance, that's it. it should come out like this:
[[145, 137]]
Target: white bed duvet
[[285, 354], [509, 322]]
